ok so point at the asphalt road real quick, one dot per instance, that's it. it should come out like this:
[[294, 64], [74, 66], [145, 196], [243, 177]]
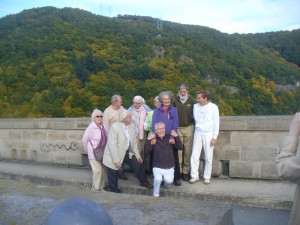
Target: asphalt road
[[26, 203]]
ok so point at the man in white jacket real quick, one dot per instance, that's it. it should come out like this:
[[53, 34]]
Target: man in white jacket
[[288, 164], [207, 121]]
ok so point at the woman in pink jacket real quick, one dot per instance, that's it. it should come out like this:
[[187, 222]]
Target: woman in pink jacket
[[94, 136], [288, 164]]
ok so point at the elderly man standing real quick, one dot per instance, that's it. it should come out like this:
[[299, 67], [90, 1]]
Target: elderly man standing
[[122, 146], [206, 115], [110, 115], [184, 104]]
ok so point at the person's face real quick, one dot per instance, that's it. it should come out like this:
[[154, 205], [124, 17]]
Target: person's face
[[157, 104], [201, 100], [98, 119], [136, 103], [118, 103], [166, 101], [183, 91], [128, 119], [160, 130]]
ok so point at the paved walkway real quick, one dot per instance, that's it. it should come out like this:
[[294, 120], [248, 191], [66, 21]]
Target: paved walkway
[[239, 192]]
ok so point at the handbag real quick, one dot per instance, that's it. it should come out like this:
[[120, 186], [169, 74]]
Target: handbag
[[98, 152]]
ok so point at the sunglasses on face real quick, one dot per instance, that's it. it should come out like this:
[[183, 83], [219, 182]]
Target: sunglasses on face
[[99, 116]]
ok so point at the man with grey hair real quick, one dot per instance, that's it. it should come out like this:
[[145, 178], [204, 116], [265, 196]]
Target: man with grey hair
[[184, 104], [110, 115], [163, 155], [122, 146]]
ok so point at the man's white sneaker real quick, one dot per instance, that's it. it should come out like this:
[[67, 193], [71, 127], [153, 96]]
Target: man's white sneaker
[[206, 181], [194, 179]]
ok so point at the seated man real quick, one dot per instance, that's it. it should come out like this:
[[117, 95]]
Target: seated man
[[122, 146], [163, 157]]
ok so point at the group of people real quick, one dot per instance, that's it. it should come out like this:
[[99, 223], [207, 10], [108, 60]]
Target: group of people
[[171, 137], [167, 141]]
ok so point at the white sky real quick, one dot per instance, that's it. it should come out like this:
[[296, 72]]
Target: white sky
[[229, 16]]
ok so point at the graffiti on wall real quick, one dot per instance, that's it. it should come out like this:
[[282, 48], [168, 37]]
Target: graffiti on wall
[[73, 146]]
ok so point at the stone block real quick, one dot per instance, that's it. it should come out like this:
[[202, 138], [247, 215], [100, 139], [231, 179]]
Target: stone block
[[60, 158], [268, 123], [223, 138], [258, 153], [14, 154], [39, 135], [216, 168], [62, 124], [268, 170], [23, 144], [82, 123], [23, 155], [12, 134], [256, 168], [33, 155], [232, 123], [76, 135], [241, 169], [26, 134], [255, 138], [232, 153], [57, 135], [75, 159]]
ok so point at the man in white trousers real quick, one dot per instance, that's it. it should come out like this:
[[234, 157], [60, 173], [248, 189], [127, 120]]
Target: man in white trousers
[[207, 122]]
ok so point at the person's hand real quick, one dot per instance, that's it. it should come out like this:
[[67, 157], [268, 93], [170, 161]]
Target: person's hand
[[172, 141], [140, 160], [295, 125], [213, 142], [118, 164], [153, 141], [173, 133], [151, 136]]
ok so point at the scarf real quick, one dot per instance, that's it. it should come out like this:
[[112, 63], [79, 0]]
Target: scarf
[[139, 117]]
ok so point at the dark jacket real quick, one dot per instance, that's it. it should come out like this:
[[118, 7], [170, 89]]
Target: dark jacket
[[185, 111], [163, 156]]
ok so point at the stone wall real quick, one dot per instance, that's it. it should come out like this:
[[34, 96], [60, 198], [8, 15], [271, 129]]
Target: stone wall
[[246, 147]]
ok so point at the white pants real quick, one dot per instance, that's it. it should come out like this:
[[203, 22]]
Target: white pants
[[199, 142], [98, 174], [166, 175]]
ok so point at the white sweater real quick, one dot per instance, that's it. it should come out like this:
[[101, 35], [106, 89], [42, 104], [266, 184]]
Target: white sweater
[[207, 119]]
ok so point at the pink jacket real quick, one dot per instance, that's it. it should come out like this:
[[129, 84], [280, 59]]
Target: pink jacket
[[93, 134]]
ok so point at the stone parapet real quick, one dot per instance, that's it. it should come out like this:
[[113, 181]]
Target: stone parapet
[[247, 145]]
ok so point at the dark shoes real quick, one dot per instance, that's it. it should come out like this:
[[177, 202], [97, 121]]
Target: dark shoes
[[177, 182], [106, 188], [185, 177], [122, 175], [146, 184]]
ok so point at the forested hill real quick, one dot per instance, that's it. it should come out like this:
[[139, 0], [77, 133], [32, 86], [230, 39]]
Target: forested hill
[[65, 62]]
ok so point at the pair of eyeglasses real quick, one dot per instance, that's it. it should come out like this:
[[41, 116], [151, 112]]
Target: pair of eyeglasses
[[136, 103], [99, 116]]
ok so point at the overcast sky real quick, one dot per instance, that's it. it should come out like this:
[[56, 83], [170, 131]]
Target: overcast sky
[[229, 16]]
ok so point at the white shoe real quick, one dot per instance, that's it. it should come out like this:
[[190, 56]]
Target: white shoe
[[206, 181], [156, 195], [194, 179]]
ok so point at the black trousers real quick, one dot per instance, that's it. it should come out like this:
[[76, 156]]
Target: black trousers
[[177, 175], [137, 167], [112, 179]]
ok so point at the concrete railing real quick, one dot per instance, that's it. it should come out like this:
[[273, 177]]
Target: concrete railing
[[246, 147]]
